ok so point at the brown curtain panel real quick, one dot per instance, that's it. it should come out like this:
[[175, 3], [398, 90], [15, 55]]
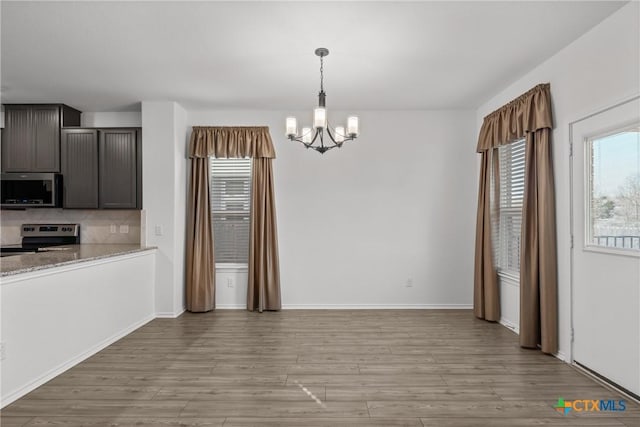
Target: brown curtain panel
[[200, 280], [528, 116], [486, 298], [538, 265], [263, 292], [264, 276]]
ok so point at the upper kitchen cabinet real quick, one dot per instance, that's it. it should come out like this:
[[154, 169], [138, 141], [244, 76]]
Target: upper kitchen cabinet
[[120, 169], [102, 168], [31, 136], [79, 153]]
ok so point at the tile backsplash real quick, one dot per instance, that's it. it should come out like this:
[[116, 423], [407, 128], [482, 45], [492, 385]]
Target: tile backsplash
[[95, 225]]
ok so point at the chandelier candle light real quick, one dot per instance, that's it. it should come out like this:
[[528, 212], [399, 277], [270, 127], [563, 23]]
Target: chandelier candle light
[[315, 137]]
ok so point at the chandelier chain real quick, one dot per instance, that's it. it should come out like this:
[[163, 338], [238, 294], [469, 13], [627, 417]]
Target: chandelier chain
[[321, 73]]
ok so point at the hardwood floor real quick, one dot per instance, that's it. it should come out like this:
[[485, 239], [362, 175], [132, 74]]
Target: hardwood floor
[[317, 368]]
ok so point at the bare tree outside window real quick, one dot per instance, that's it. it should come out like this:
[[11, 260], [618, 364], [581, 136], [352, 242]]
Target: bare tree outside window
[[629, 199], [614, 197], [603, 207]]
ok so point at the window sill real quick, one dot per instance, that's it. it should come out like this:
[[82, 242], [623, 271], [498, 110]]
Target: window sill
[[231, 266], [634, 253], [509, 278]]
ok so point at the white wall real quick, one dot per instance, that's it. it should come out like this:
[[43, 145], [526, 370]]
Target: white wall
[[597, 70], [163, 200], [179, 206], [356, 223], [111, 119], [231, 286], [55, 318]]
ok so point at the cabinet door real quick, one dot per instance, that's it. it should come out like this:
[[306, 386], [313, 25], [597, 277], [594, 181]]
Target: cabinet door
[[80, 168], [17, 143], [118, 169], [46, 138]]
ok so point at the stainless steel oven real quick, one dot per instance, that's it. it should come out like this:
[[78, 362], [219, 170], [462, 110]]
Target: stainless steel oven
[[31, 190], [42, 238]]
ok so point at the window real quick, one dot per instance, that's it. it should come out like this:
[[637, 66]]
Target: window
[[613, 190], [231, 209], [507, 221]]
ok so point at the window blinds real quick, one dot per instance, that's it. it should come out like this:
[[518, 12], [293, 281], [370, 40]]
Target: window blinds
[[231, 209], [510, 200]]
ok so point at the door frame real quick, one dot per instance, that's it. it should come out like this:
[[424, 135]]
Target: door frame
[[572, 226]]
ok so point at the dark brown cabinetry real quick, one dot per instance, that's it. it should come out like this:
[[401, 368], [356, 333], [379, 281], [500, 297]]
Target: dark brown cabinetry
[[119, 169], [102, 168], [31, 136], [79, 153]]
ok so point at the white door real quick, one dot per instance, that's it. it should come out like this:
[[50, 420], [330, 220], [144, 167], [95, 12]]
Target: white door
[[606, 243]]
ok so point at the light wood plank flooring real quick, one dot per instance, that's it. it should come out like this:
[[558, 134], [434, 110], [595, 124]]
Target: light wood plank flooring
[[317, 368]]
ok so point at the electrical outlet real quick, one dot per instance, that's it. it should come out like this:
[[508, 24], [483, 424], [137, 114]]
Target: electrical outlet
[[124, 229], [3, 349], [409, 283], [112, 229], [158, 230], [230, 282]]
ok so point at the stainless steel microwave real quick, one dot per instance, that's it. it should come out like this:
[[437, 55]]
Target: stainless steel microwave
[[31, 190]]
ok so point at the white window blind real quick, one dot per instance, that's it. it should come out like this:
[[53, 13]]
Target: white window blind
[[231, 209], [510, 196]]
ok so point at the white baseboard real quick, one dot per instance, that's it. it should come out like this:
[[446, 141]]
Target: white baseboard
[[515, 328], [377, 306], [560, 355], [169, 314], [509, 325], [231, 306], [357, 306], [16, 394]]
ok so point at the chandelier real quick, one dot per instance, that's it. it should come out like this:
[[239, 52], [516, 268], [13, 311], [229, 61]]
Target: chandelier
[[322, 137]]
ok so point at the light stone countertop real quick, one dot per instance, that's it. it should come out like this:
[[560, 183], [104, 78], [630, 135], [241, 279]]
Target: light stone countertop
[[64, 255]]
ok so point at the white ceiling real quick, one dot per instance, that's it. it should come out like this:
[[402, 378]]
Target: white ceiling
[[108, 56]]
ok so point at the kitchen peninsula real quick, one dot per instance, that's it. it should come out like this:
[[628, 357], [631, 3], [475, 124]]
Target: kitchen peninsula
[[61, 306], [65, 255]]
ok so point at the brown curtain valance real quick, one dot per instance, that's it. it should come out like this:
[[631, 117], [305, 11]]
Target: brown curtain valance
[[231, 142], [527, 113]]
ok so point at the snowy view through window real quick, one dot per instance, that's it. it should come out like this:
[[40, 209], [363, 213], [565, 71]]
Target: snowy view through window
[[614, 199]]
